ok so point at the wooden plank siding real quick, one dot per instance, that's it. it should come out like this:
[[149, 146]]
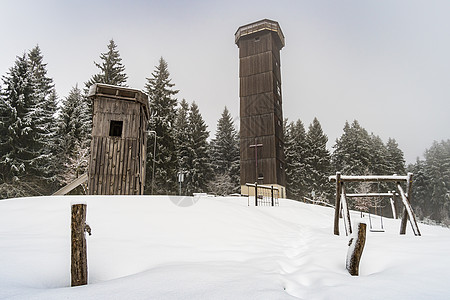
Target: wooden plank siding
[[261, 115], [117, 163], [108, 177]]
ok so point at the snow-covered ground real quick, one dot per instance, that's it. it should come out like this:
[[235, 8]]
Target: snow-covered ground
[[149, 248]]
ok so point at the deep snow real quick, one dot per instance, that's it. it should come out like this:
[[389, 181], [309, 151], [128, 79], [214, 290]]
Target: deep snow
[[146, 247]]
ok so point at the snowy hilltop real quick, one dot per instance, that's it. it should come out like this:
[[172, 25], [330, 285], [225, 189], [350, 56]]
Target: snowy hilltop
[[148, 247]]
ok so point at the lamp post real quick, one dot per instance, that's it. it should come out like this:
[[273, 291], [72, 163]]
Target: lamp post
[[154, 158]]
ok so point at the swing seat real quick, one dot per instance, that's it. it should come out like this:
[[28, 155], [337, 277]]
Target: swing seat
[[376, 230]]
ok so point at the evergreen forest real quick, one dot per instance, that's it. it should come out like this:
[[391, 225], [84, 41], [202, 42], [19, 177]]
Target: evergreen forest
[[45, 142]]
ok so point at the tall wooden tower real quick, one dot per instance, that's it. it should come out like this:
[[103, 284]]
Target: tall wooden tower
[[261, 127], [119, 140]]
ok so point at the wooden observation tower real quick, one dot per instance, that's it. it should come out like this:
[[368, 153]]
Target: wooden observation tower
[[119, 140], [261, 126]]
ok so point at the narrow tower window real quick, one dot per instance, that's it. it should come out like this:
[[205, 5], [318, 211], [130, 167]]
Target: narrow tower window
[[115, 128]]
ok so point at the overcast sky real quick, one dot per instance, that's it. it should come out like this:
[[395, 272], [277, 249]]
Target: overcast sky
[[384, 63]]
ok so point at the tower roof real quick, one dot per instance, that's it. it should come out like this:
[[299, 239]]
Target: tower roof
[[257, 26]]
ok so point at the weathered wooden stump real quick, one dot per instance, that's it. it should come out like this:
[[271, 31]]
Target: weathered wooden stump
[[78, 272], [355, 249]]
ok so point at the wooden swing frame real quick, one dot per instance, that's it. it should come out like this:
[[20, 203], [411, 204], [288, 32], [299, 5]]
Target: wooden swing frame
[[341, 199]]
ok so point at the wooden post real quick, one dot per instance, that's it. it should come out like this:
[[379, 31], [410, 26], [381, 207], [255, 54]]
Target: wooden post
[[256, 193], [355, 250], [405, 211], [271, 189], [79, 274], [409, 214], [337, 206], [346, 211], [394, 212]]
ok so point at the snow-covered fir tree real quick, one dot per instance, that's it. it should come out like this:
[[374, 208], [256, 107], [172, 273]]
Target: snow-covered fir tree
[[45, 110], [20, 150], [162, 103], [182, 139], [73, 143], [224, 152], [378, 158], [318, 162], [437, 170], [25, 149], [352, 151], [421, 190], [112, 71], [295, 154], [199, 167], [395, 158]]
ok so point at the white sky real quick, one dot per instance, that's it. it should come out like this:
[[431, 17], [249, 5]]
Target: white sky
[[385, 63]]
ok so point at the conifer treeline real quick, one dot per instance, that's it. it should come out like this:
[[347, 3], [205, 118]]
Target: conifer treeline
[[43, 147]]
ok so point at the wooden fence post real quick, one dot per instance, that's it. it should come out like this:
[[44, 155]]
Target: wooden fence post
[[337, 207], [355, 250], [256, 193], [79, 274], [271, 189]]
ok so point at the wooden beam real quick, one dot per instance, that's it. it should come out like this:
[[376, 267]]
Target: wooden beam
[[337, 206], [374, 178], [394, 212], [66, 189], [409, 211], [346, 212], [387, 195]]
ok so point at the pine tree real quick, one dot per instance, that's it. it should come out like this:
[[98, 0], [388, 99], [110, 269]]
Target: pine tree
[[73, 130], [199, 171], [295, 154], [378, 156], [318, 161], [19, 147], [437, 169], [421, 190], [163, 112], [112, 71], [182, 139], [352, 154], [395, 158], [45, 110], [225, 156]]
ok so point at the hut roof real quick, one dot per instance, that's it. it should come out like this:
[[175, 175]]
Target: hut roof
[[120, 93]]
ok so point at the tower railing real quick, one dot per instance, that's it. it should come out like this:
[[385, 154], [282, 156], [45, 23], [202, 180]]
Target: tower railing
[[259, 26]]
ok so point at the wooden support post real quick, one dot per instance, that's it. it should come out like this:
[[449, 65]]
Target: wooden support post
[[346, 211], [337, 206], [394, 212], [271, 190], [256, 193], [79, 274], [405, 211], [409, 214], [355, 250]]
